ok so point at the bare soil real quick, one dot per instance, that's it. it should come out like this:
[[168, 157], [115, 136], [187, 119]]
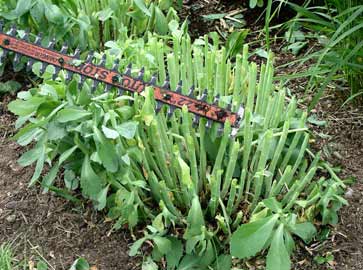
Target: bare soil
[[43, 226]]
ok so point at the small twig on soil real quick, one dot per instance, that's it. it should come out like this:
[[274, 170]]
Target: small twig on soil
[[40, 255]]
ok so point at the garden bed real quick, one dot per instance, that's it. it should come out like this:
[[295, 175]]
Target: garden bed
[[49, 228]]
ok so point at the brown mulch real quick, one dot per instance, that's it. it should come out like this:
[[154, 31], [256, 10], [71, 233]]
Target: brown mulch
[[46, 227]]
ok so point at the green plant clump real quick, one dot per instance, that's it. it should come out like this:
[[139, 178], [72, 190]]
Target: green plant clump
[[202, 197], [87, 23], [338, 26]]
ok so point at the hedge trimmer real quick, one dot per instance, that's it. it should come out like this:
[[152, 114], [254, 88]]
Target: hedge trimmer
[[112, 78]]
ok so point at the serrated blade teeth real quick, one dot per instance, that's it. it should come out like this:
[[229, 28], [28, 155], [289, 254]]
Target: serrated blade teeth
[[204, 95], [103, 60], [191, 91], [179, 87], [90, 56], [107, 88], [220, 130], [166, 83], [170, 111], [216, 100], [116, 64], [77, 53], [120, 91], [64, 48], [12, 30], [69, 75], [26, 34], [209, 123], [229, 107], [128, 70], [38, 39], [141, 74], [16, 60], [51, 43], [94, 85], [29, 65], [3, 56], [159, 105], [240, 113], [81, 82], [196, 120], [55, 73], [43, 68], [153, 79]]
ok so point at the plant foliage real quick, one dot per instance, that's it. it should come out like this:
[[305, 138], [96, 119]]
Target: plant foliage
[[197, 191]]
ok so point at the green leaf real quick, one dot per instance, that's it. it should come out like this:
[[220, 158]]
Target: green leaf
[[91, 184], [195, 219], [127, 129], [70, 180], [49, 178], [106, 151], [175, 253], [161, 24], [306, 231], [136, 246], [189, 262], [69, 114], [56, 131], [223, 262], [102, 198], [66, 154], [253, 3], [9, 87], [65, 194], [235, 42], [149, 264], [39, 167], [29, 157], [54, 14], [42, 266], [110, 133], [21, 8], [80, 264], [185, 171], [272, 204], [215, 16], [25, 107], [104, 14], [312, 119], [278, 258], [162, 243], [261, 53], [250, 238], [141, 5]]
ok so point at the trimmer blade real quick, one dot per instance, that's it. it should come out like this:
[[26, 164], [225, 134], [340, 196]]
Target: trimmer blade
[[128, 70], [179, 87], [12, 31], [153, 79], [141, 74], [191, 91], [159, 105], [166, 83], [196, 119]]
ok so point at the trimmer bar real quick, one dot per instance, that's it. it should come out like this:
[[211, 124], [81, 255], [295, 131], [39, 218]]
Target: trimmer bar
[[112, 78]]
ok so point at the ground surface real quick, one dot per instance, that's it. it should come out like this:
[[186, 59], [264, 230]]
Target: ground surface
[[42, 225]]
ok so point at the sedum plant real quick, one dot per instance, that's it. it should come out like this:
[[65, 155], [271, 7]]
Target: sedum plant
[[202, 196]]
